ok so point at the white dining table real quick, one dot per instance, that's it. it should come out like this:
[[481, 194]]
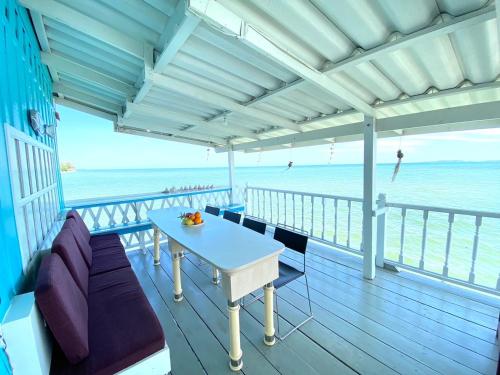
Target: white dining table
[[246, 260]]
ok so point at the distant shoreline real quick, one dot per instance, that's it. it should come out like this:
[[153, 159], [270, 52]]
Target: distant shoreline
[[447, 162]]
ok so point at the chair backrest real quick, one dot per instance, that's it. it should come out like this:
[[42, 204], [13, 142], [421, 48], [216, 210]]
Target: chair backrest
[[257, 226], [291, 240], [232, 216], [212, 210]]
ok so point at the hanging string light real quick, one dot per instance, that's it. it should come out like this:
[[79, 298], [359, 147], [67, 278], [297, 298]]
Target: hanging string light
[[208, 153], [332, 149]]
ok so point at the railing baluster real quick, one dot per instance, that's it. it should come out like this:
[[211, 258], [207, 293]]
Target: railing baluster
[[253, 202], [293, 217], [278, 206], [451, 218], [264, 204], [424, 240], [312, 216], [349, 223], [271, 205], [302, 201], [284, 202], [335, 204], [402, 238], [323, 212], [258, 203], [472, 275]]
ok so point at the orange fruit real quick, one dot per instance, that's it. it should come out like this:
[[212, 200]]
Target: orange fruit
[[198, 220], [197, 214]]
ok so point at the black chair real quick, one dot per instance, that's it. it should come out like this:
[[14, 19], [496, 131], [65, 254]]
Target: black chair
[[296, 242], [212, 210], [257, 226], [232, 216]]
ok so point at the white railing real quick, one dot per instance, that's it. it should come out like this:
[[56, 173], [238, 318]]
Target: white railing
[[331, 219], [127, 215], [452, 244]]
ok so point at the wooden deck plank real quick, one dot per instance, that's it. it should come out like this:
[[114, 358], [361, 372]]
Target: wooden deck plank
[[468, 298], [433, 313], [215, 318], [387, 325], [183, 358], [208, 349], [386, 279], [344, 291], [321, 360], [356, 312], [334, 344]]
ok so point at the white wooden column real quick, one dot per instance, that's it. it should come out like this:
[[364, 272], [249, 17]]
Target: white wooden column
[[369, 199], [230, 162]]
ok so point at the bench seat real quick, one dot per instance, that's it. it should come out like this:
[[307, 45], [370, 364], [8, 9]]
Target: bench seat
[[123, 328], [95, 307]]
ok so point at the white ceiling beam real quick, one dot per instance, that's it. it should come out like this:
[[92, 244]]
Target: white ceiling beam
[[497, 6], [86, 74], [217, 14], [85, 98], [165, 115], [41, 35], [220, 101], [160, 135], [86, 25], [476, 116], [443, 28], [169, 128], [179, 27], [85, 108]]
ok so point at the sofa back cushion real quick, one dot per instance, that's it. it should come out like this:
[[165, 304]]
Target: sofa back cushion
[[65, 246], [82, 243], [81, 224], [63, 307]]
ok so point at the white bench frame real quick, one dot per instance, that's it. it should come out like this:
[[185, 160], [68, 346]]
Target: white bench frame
[[29, 343]]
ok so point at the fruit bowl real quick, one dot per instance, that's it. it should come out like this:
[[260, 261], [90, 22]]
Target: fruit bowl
[[190, 219]]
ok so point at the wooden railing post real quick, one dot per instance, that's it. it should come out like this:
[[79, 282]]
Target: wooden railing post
[[381, 223]]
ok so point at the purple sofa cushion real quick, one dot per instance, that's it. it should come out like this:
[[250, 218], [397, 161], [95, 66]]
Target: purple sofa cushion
[[108, 259], [65, 246], [83, 245], [81, 224], [123, 328], [102, 241], [63, 307]]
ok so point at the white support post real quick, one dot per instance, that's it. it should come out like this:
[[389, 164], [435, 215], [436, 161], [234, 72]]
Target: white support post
[[379, 258], [369, 217], [230, 161]]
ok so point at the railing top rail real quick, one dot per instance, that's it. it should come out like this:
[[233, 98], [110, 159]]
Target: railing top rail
[[319, 195], [105, 201], [456, 211]]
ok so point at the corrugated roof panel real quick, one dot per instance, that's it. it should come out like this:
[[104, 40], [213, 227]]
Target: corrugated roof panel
[[478, 49], [143, 22], [232, 46]]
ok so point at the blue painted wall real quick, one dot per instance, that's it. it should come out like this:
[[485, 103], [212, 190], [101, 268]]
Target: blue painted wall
[[24, 84]]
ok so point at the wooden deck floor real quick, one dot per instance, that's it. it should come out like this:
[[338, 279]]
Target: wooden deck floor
[[393, 324]]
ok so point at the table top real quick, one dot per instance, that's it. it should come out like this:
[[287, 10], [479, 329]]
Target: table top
[[228, 246]]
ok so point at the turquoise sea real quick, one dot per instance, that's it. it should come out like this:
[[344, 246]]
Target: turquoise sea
[[466, 185]]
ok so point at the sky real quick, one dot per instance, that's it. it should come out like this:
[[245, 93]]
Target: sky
[[89, 142]]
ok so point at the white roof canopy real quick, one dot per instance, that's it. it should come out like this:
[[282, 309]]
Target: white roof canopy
[[260, 74]]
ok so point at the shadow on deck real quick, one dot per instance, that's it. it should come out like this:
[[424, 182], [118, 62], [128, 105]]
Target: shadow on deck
[[393, 324]]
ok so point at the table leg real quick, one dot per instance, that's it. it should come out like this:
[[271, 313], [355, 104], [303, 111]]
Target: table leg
[[215, 275], [269, 338], [176, 268], [156, 239], [235, 353]]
